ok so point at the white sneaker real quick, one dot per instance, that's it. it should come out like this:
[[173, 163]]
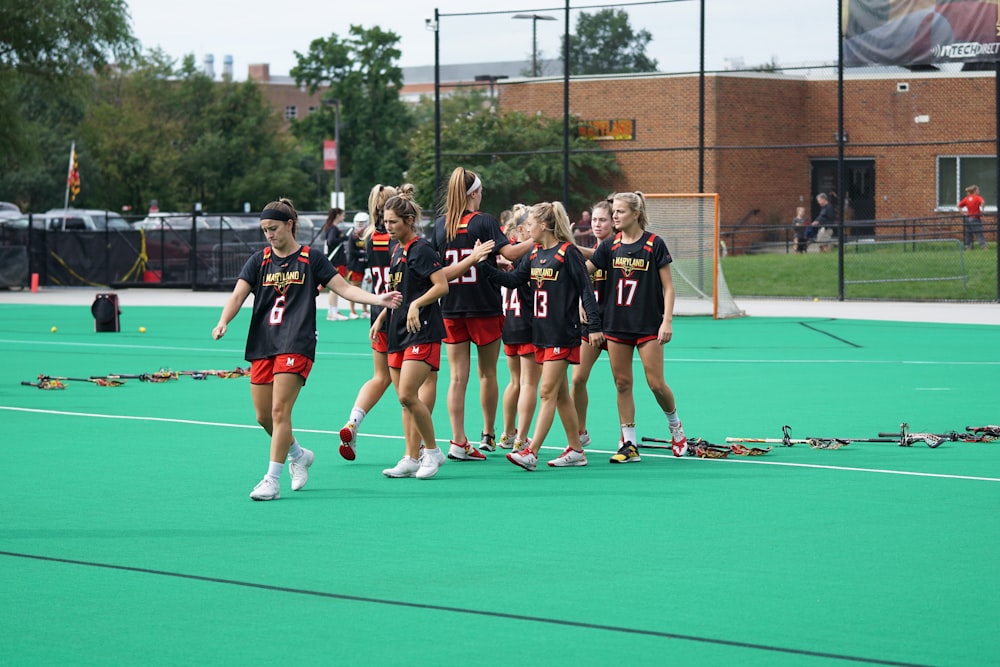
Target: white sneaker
[[678, 442], [465, 452], [348, 440], [299, 468], [352, 316], [335, 316], [430, 463], [570, 457], [584, 439], [407, 467], [267, 489], [524, 458], [506, 441]]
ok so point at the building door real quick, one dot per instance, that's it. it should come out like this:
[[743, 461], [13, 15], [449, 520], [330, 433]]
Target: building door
[[859, 176]]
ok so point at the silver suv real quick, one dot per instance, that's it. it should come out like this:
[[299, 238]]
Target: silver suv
[[83, 219]]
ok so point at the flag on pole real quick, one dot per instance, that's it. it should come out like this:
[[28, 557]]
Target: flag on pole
[[73, 176]]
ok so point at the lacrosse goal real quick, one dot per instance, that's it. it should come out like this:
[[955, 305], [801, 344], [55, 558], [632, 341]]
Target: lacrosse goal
[[689, 223]]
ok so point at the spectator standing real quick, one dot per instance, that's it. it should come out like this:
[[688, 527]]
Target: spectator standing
[[973, 205]]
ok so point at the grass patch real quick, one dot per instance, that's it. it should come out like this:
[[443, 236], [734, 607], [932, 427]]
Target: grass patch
[[816, 275]]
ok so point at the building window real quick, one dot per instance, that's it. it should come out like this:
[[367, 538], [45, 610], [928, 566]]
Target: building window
[[956, 172], [292, 111]]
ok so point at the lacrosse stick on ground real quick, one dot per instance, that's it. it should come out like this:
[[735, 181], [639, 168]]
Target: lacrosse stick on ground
[[201, 375], [162, 375], [815, 443], [704, 449], [981, 433], [44, 382], [99, 381], [933, 440]]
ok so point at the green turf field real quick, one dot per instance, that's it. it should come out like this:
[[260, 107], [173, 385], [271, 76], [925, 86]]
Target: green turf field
[[128, 537]]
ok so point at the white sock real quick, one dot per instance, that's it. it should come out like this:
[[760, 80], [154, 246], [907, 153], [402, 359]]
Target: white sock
[[357, 416], [628, 433], [295, 451], [274, 469], [672, 418]]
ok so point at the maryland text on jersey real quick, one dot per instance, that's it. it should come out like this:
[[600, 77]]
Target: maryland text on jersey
[[630, 264], [542, 273], [285, 275]]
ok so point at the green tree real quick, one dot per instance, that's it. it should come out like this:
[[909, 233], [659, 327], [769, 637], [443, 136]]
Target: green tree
[[362, 74], [48, 42], [519, 156], [605, 43], [175, 135]]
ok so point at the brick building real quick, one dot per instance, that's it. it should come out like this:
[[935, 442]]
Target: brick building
[[913, 140]]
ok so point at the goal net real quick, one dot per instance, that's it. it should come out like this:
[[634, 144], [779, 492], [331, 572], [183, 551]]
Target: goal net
[[689, 223]]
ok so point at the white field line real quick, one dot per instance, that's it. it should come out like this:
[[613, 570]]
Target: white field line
[[754, 461]]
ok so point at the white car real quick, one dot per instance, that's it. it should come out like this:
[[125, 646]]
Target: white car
[[83, 219]]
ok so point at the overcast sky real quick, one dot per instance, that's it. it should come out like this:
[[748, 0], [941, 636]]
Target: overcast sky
[[264, 31]]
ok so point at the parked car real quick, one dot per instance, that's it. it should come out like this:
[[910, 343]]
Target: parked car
[[182, 221], [9, 210], [21, 222], [89, 219], [307, 227]]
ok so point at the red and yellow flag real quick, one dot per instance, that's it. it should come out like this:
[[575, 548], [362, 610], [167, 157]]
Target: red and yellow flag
[[73, 178]]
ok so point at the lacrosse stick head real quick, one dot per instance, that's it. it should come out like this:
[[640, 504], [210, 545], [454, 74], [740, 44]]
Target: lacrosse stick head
[[933, 441], [904, 435], [786, 436]]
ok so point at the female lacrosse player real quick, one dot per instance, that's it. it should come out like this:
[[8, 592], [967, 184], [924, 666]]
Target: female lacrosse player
[[378, 247], [601, 227], [356, 257], [556, 271], [415, 332], [472, 309], [520, 395], [281, 344], [638, 315]]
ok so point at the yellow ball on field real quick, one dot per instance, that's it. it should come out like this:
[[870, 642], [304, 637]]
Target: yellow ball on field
[[142, 329], [816, 298], [54, 329]]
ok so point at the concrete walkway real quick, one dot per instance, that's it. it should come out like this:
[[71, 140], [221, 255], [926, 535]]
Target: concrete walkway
[[897, 311]]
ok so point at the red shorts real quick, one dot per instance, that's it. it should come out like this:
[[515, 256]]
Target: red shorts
[[519, 350], [480, 330], [586, 341], [569, 354], [381, 343], [342, 270], [353, 276], [262, 371], [634, 342], [429, 353]]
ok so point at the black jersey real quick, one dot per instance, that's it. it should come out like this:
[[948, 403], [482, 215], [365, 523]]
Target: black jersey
[[634, 305], [284, 307], [518, 307], [379, 247], [599, 279], [559, 280], [472, 294], [356, 258], [412, 266]]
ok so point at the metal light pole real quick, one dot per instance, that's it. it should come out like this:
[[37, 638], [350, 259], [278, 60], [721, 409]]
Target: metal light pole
[[335, 103], [535, 18]]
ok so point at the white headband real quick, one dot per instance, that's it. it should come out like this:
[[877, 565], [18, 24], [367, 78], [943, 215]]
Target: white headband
[[476, 184]]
